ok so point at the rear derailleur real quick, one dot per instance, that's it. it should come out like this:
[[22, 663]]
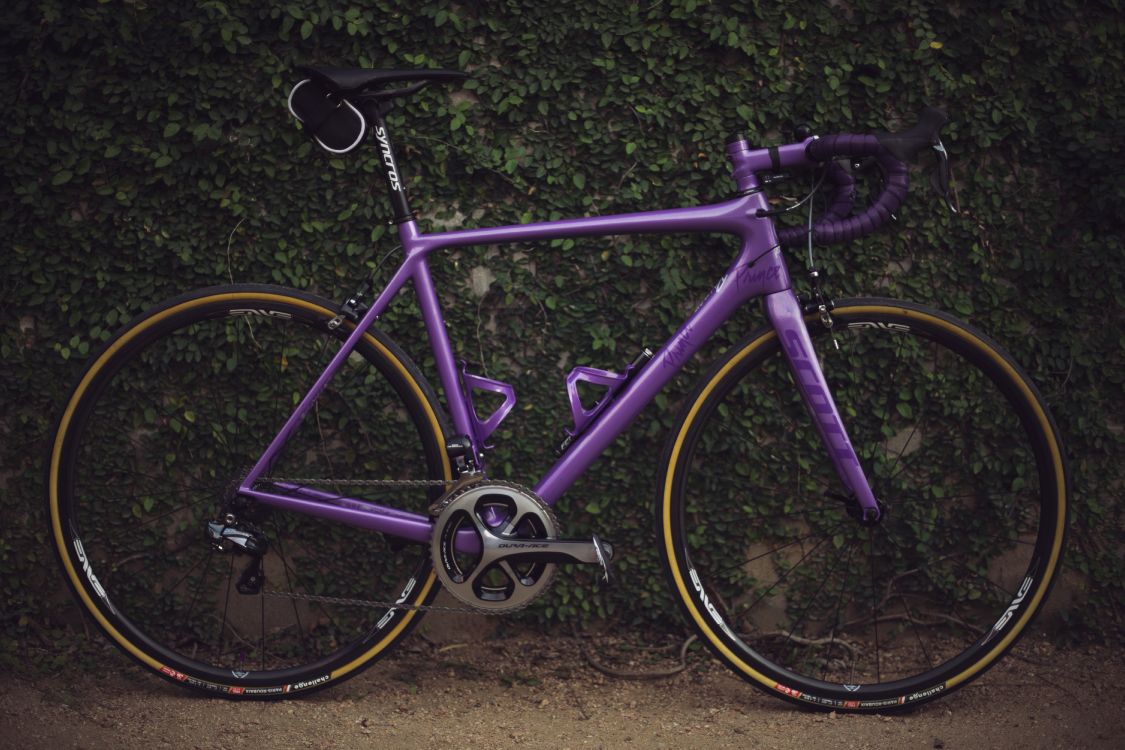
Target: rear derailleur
[[231, 535]]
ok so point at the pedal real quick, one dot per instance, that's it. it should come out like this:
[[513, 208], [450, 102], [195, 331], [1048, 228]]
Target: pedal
[[604, 553]]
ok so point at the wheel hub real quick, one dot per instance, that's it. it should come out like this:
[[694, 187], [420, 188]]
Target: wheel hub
[[862, 516]]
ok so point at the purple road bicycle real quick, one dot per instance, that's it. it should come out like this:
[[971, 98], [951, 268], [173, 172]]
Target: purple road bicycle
[[862, 505]]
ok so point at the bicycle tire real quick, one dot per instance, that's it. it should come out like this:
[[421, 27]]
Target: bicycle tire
[[155, 437], [793, 593]]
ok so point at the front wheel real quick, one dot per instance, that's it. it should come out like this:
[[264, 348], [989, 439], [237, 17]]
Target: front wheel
[[153, 443], [768, 559]]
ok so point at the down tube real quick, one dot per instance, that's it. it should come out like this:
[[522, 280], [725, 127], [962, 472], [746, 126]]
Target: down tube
[[743, 282]]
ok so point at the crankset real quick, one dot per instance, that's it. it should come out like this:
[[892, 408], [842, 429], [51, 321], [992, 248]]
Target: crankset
[[495, 546]]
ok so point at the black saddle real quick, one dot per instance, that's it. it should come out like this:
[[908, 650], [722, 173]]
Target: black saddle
[[348, 81], [323, 102]]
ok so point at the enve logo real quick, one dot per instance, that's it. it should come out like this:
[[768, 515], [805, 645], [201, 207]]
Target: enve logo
[[87, 569]]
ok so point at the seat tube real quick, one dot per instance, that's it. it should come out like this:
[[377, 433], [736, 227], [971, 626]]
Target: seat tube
[[787, 318]]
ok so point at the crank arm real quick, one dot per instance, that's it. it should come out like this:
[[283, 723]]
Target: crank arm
[[559, 551]]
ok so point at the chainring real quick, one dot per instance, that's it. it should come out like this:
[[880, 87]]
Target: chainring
[[478, 537]]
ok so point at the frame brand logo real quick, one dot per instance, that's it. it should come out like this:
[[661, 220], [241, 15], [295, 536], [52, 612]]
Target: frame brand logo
[[819, 401], [750, 275], [388, 158]]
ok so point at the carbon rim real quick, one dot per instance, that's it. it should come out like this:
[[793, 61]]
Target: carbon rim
[[114, 413], [732, 574]]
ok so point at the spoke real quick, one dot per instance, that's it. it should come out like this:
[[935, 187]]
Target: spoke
[[918, 455], [224, 443], [289, 575], [237, 355], [929, 564], [812, 600], [836, 613], [781, 393], [739, 437], [278, 386], [976, 495], [323, 443], [913, 431], [205, 557], [226, 607], [914, 627], [216, 484], [741, 563], [261, 632], [874, 613], [303, 385], [785, 575], [134, 475], [739, 515], [132, 529], [966, 451], [963, 532], [199, 585]]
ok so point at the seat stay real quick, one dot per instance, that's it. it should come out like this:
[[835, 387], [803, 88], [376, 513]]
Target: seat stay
[[405, 272]]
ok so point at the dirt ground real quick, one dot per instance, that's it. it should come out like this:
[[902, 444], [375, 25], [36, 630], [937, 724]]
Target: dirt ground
[[514, 690]]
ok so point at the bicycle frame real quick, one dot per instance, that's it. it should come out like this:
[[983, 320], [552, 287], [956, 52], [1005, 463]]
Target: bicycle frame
[[759, 270]]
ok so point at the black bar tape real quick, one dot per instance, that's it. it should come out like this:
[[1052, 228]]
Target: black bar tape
[[836, 228]]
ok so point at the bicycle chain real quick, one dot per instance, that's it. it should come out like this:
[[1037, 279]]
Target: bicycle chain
[[376, 604], [371, 603], [363, 482]]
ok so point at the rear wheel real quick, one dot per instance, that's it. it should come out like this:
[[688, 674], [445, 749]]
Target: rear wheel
[[155, 438], [770, 563]]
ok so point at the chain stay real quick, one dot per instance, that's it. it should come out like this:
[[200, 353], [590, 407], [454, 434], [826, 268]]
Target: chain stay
[[373, 603], [376, 604], [456, 488]]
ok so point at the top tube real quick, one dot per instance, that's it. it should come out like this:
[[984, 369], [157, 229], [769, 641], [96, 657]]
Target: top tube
[[735, 216]]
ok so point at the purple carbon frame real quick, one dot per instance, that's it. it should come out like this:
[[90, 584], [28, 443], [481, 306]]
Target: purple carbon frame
[[758, 271]]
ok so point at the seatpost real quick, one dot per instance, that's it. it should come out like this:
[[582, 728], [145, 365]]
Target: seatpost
[[399, 203]]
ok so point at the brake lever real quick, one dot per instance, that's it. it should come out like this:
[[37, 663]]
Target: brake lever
[[941, 178]]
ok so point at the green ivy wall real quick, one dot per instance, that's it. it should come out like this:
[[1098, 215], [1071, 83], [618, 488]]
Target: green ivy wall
[[147, 150]]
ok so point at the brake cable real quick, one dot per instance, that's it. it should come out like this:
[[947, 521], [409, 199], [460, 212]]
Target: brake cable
[[823, 304]]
